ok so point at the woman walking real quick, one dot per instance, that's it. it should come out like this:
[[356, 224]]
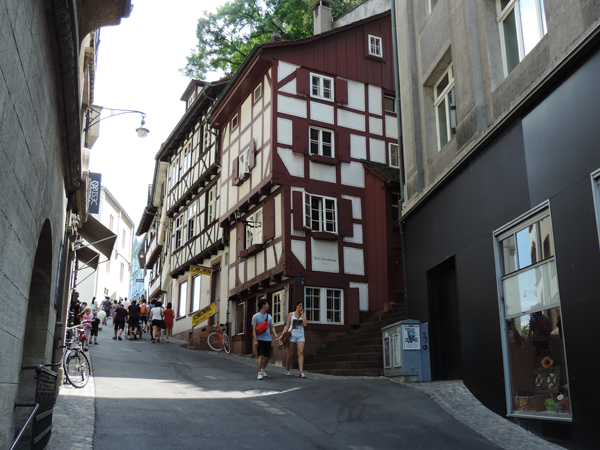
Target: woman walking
[[157, 315], [169, 316], [295, 323]]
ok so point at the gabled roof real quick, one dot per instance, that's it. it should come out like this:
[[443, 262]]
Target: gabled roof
[[252, 63], [389, 175]]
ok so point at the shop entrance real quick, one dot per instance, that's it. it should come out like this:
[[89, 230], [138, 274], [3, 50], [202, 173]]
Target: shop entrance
[[444, 322]]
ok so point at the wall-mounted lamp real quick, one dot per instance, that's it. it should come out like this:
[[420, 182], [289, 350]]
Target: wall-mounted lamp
[[238, 218], [91, 121]]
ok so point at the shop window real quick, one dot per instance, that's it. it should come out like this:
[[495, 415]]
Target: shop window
[[535, 365], [321, 142], [182, 306], [254, 229], [321, 87], [278, 300], [320, 213], [375, 47], [324, 305], [444, 100], [522, 25]]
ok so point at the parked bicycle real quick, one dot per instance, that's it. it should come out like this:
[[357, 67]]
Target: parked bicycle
[[218, 339], [73, 360]]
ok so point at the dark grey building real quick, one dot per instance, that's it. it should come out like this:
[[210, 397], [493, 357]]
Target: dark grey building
[[501, 220]]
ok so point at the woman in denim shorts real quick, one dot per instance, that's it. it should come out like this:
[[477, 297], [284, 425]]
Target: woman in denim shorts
[[295, 323]]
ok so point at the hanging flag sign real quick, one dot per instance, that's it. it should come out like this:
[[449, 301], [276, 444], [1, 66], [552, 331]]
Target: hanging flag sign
[[204, 314], [94, 200], [201, 270]]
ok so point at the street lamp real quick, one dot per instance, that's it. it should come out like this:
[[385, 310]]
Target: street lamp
[[91, 121]]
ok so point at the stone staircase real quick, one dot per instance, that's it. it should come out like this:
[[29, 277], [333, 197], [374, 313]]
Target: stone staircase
[[360, 351]]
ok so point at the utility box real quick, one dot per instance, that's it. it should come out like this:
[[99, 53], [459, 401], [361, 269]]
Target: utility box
[[406, 350]]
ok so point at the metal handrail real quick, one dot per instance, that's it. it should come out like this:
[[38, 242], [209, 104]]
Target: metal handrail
[[20, 435]]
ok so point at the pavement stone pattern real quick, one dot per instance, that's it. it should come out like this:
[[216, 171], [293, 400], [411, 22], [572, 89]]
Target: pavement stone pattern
[[460, 403], [74, 417]]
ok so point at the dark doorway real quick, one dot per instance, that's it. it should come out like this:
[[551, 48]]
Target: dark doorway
[[444, 322]]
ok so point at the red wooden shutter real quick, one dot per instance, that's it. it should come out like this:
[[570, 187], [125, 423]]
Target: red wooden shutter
[[235, 170], [341, 91], [345, 227], [300, 136], [353, 302], [343, 145], [298, 210], [252, 155], [303, 81], [269, 220], [240, 239]]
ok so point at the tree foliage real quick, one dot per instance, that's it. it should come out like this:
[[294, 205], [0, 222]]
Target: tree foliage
[[226, 37]]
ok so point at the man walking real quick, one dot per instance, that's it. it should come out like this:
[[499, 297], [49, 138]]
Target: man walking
[[262, 330], [106, 307]]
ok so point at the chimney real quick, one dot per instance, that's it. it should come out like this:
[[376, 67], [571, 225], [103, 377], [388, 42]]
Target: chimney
[[276, 36], [322, 16]]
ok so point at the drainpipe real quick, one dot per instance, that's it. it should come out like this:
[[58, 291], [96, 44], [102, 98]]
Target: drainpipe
[[400, 152], [398, 112]]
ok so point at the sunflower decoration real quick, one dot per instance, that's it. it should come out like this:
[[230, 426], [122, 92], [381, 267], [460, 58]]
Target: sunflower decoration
[[547, 362]]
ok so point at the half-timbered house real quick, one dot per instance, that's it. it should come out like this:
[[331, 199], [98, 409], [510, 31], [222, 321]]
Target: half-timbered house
[[296, 123]]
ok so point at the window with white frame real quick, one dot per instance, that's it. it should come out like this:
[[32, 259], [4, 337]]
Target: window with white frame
[[182, 305], [321, 141], [191, 220], [320, 213], [375, 48], [178, 232], [211, 205], [174, 173], [196, 288], [324, 305], [534, 356], [257, 93], [389, 104], [394, 155], [444, 100], [244, 163], [254, 229], [522, 25], [321, 87], [234, 122], [278, 300]]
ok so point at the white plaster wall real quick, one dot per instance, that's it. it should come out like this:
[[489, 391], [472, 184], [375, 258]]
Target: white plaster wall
[[357, 234], [291, 106], [299, 251], [322, 172], [285, 69], [284, 131], [377, 150], [293, 161], [358, 146], [257, 128], [391, 127], [266, 89], [354, 261], [278, 216], [246, 113], [353, 174], [289, 88], [356, 206], [325, 256], [356, 95], [375, 126], [321, 112], [375, 100], [363, 295], [260, 262], [351, 120]]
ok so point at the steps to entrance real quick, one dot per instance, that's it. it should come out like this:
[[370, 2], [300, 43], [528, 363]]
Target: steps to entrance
[[360, 351]]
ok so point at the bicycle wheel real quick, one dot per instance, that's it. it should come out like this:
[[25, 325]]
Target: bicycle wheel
[[214, 342], [226, 344], [77, 368]]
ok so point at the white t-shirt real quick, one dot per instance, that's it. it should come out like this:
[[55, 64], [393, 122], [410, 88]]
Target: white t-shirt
[[157, 313]]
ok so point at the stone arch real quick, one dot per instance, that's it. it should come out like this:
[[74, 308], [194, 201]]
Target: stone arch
[[40, 319]]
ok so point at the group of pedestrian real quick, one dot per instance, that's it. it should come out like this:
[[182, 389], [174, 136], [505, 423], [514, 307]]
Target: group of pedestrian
[[263, 332]]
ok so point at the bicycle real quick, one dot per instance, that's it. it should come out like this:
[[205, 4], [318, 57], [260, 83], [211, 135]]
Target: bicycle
[[74, 362], [218, 339]]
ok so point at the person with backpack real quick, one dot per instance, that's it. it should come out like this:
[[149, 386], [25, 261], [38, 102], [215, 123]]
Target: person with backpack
[[157, 315], [144, 315], [262, 331], [106, 307]]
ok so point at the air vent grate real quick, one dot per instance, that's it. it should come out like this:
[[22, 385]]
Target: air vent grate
[[554, 430]]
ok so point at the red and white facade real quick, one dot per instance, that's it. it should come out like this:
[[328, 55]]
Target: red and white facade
[[296, 123]]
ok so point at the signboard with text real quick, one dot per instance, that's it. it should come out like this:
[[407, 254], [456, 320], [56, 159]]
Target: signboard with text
[[204, 314], [201, 270], [94, 200]]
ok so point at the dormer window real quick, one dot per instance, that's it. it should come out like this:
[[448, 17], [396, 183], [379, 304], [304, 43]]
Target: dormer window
[[321, 87], [257, 93], [234, 123], [375, 47]]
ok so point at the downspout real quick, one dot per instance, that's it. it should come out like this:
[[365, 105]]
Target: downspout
[[400, 152]]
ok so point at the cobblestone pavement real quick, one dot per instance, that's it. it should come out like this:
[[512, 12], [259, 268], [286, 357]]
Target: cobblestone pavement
[[458, 401], [74, 417]]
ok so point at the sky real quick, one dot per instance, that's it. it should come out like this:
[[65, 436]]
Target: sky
[[138, 69]]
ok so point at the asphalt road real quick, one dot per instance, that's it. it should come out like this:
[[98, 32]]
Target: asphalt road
[[164, 396]]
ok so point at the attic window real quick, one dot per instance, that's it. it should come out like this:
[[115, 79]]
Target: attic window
[[375, 48], [234, 123], [257, 93]]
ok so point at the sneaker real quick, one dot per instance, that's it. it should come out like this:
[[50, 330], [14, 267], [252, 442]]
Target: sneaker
[[120, 338], [288, 373], [302, 375], [259, 376], [115, 338], [95, 343], [153, 341], [167, 341], [264, 373]]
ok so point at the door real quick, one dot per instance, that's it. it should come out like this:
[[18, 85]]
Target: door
[[444, 322]]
